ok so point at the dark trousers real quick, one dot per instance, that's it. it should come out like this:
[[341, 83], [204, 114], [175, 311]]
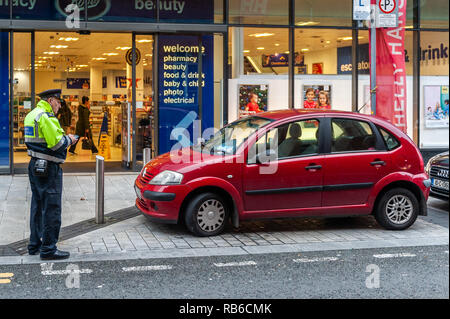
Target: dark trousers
[[45, 219], [89, 136]]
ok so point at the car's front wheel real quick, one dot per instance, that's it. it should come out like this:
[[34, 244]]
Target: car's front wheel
[[206, 214], [397, 209]]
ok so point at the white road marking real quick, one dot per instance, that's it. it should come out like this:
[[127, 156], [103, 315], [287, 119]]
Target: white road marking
[[47, 270], [399, 255], [236, 264], [147, 268], [312, 260]]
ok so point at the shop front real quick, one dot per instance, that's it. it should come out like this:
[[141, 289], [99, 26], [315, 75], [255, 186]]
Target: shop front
[[152, 68]]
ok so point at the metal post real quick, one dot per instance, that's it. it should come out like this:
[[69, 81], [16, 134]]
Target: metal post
[[373, 58], [147, 155], [99, 189]]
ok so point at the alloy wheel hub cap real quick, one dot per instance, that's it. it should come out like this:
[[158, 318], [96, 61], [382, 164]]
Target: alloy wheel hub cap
[[399, 209]]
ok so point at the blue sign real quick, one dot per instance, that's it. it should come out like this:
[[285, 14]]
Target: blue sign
[[184, 11], [344, 60], [178, 88], [4, 101], [78, 83], [121, 82]]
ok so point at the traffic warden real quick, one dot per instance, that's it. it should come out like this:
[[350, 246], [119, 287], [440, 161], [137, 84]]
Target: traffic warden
[[47, 145]]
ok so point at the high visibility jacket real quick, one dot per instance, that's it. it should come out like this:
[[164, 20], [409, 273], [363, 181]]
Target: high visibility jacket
[[44, 137]]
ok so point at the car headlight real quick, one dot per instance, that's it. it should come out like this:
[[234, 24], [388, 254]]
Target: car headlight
[[167, 178]]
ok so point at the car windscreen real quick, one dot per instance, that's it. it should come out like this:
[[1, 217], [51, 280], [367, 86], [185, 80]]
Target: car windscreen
[[227, 140]]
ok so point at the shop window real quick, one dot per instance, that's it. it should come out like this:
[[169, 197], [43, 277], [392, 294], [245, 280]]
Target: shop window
[[94, 66], [323, 67], [259, 12], [259, 71], [324, 13], [434, 14], [434, 86]]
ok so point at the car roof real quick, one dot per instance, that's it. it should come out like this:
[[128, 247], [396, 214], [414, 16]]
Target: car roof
[[286, 114], [283, 114]]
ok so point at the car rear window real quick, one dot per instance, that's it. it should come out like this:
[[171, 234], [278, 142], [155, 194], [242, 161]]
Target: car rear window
[[389, 139]]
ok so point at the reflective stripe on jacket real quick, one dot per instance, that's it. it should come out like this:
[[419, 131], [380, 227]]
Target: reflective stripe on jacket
[[44, 136]]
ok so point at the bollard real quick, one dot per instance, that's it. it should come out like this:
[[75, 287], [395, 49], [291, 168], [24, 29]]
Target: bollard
[[99, 189], [147, 155]]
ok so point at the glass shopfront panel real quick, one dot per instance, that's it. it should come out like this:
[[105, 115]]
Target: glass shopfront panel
[[22, 103], [259, 12], [324, 13], [93, 66], [191, 11], [259, 71], [434, 90], [323, 67], [434, 14]]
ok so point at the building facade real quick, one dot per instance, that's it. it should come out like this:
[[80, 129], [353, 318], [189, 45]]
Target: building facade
[[151, 66]]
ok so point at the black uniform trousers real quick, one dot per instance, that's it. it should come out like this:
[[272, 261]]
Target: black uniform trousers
[[45, 219]]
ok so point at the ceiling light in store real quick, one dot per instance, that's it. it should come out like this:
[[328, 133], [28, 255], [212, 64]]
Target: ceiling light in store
[[82, 65], [99, 59], [111, 54], [409, 27], [328, 42], [51, 52], [45, 57], [68, 39], [304, 50], [149, 54], [306, 23], [277, 44], [123, 48], [144, 41], [246, 51], [259, 35], [348, 38], [287, 52], [59, 46], [260, 48]]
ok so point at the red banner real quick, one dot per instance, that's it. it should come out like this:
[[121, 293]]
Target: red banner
[[391, 71]]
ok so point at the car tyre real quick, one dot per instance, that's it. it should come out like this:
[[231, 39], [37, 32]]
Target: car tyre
[[397, 209], [206, 215]]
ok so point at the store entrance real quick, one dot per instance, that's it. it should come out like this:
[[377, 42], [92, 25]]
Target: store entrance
[[94, 72]]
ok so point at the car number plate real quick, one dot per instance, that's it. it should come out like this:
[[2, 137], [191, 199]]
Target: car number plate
[[138, 192], [440, 184]]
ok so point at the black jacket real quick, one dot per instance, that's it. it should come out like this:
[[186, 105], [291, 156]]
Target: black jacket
[[83, 120], [65, 115]]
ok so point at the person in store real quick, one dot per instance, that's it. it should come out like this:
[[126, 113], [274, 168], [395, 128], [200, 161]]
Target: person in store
[[47, 146], [65, 116], [253, 106], [310, 103], [83, 128], [324, 101]]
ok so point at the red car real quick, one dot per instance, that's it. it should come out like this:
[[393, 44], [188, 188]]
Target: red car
[[291, 163]]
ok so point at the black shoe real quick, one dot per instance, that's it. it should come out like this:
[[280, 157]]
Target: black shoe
[[34, 252], [58, 254]]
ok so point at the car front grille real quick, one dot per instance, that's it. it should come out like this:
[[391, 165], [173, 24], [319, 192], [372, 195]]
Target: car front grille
[[439, 172], [146, 178]]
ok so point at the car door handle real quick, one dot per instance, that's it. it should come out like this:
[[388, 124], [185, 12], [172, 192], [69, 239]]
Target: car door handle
[[377, 163], [313, 166]]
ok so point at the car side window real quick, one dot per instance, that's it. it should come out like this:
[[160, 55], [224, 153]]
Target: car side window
[[390, 141], [289, 140], [351, 135]]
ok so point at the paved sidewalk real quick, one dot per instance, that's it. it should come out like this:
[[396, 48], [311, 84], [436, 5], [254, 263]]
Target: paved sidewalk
[[78, 201]]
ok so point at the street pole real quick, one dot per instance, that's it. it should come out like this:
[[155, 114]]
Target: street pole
[[99, 190], [373, 58]]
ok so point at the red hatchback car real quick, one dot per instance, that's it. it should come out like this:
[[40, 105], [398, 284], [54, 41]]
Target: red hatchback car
[[291, 163]]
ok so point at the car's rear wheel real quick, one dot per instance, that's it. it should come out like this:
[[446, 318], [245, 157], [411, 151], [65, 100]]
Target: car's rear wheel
[[206, 214], [397, 209]]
